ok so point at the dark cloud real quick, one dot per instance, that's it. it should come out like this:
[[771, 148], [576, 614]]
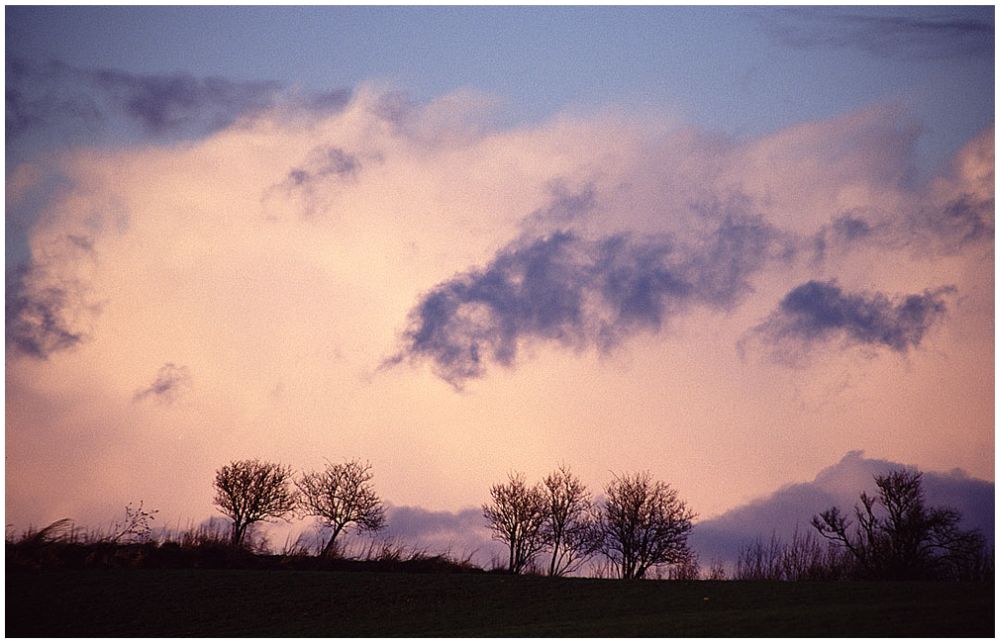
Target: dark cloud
[[577, 293], [328, 101], [171, 382], [818, 311], [44, 96], [322, 162], [789, 508], [19, 115], [793, 506], [851, 228], [37, 322], [849, 231], [165, 103], [565, 204], [395, 107], [420, 525], [925, 33], [966, 219], [57, 95], [460, 533], [928, 230]]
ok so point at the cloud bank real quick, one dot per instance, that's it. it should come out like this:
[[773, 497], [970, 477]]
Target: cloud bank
[[721, 538], [792, 507]]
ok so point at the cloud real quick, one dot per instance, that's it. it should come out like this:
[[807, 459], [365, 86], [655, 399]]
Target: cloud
[[171, 382], [923, 35], [966, 219], [305, 183], [327, 101], [168, 102], [580, 293], [951, 214], [662, 246], [36, 322], [793, 506], [816, 312], [57, 96], [566, 204], [848, 232], [322, 162], [960, 208], [851, 228], [460, 533], [41, 96], [721, 538]]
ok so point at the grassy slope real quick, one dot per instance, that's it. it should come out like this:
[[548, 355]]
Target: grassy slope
[[302, 603]]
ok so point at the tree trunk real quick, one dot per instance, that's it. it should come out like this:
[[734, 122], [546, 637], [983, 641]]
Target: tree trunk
[[330, 548], [555, 554]]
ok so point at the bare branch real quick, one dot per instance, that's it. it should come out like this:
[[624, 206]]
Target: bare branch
[[251, 491], [516, 517], [341, 495], [643, 524]]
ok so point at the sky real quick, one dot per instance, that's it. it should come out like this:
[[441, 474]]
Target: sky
[[740, 248]]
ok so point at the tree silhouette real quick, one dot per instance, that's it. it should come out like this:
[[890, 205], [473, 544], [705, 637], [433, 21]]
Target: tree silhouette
[[643, 524], [341, 495], [568, 527], [897, 537], [516, 517], [251, 491]]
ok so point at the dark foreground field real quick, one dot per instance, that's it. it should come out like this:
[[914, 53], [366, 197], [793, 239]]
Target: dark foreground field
[[141, 602]]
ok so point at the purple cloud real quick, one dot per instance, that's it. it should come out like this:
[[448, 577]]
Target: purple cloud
[[54, 93], [816, 312], [579, 293], [168, 102], [171, 382], [932, 34], [793, 506], [37, 323]]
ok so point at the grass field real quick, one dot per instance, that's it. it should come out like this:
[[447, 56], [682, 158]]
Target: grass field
[[149, 602]]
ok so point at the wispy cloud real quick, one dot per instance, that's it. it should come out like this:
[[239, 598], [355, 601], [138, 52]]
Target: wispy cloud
[[55, 94], [164, 103], [941, 34], [171, 382]]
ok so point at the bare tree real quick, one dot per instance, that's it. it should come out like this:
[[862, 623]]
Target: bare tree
[[717, 571], [687, 568], [761, 561], [643, 524], [568, 528], [340, 496], [251, 491], [135, 527], [516, 516], [896, 536], [804, 557]]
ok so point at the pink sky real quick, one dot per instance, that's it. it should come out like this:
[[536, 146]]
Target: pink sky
[[236, 296]]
